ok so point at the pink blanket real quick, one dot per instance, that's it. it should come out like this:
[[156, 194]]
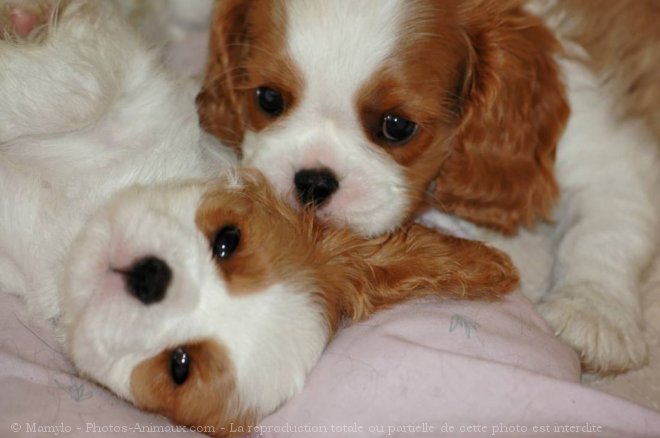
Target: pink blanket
[[427, 368]]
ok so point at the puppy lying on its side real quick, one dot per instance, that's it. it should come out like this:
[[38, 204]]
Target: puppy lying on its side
[[218, 298]]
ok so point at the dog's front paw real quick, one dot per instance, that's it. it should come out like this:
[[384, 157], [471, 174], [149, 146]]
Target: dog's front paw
[[606, 333]]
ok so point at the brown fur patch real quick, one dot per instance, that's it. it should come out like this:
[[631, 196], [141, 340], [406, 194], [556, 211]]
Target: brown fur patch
[[246, 51], [207, 398], [422, 83], [479, 78], [622, 38], [345, 271], [500, 172], [273, 244], [414, 262]]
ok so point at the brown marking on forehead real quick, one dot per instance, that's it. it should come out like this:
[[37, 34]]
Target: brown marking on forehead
[[278, 243], [248, 268], [246, 50], [268, 63], [275, 239], [208, 397], [421, 81]]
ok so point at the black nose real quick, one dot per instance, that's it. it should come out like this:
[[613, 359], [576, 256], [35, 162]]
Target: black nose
[[315, 186], [147, 279]]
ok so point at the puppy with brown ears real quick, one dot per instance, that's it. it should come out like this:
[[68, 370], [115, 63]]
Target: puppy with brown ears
[[218, 297], [371, 110], [357, 108]]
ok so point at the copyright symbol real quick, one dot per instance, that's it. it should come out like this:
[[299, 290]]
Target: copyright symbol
[[15, 427]]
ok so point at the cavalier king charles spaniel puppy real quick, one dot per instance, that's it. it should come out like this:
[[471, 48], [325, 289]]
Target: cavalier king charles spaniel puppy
[[205, 300], [209, 302], [370, 111]]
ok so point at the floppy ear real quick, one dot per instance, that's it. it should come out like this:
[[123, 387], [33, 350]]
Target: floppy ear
[[218, 102], [500, 170], [415, 262]]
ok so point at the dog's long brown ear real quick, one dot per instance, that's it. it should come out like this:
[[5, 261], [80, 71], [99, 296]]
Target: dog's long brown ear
[[500, 171], [416, 262], [218, 103]]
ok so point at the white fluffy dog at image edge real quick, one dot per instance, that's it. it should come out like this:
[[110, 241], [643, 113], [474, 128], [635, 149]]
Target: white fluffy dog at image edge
[[86, 110]]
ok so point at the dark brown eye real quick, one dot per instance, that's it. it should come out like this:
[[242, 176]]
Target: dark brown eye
[[226, 241], [397, 130], [179, 365], [270, 101]]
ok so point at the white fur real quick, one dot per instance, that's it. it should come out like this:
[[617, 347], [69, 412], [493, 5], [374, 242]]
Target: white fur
[[324, 128], [84, 114], [90, 122], [607, 228]]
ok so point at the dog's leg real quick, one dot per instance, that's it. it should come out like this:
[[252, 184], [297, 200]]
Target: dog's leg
[[607, 232], [594, 304]]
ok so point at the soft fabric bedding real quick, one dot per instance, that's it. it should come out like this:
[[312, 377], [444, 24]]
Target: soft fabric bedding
[[420, 369]]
